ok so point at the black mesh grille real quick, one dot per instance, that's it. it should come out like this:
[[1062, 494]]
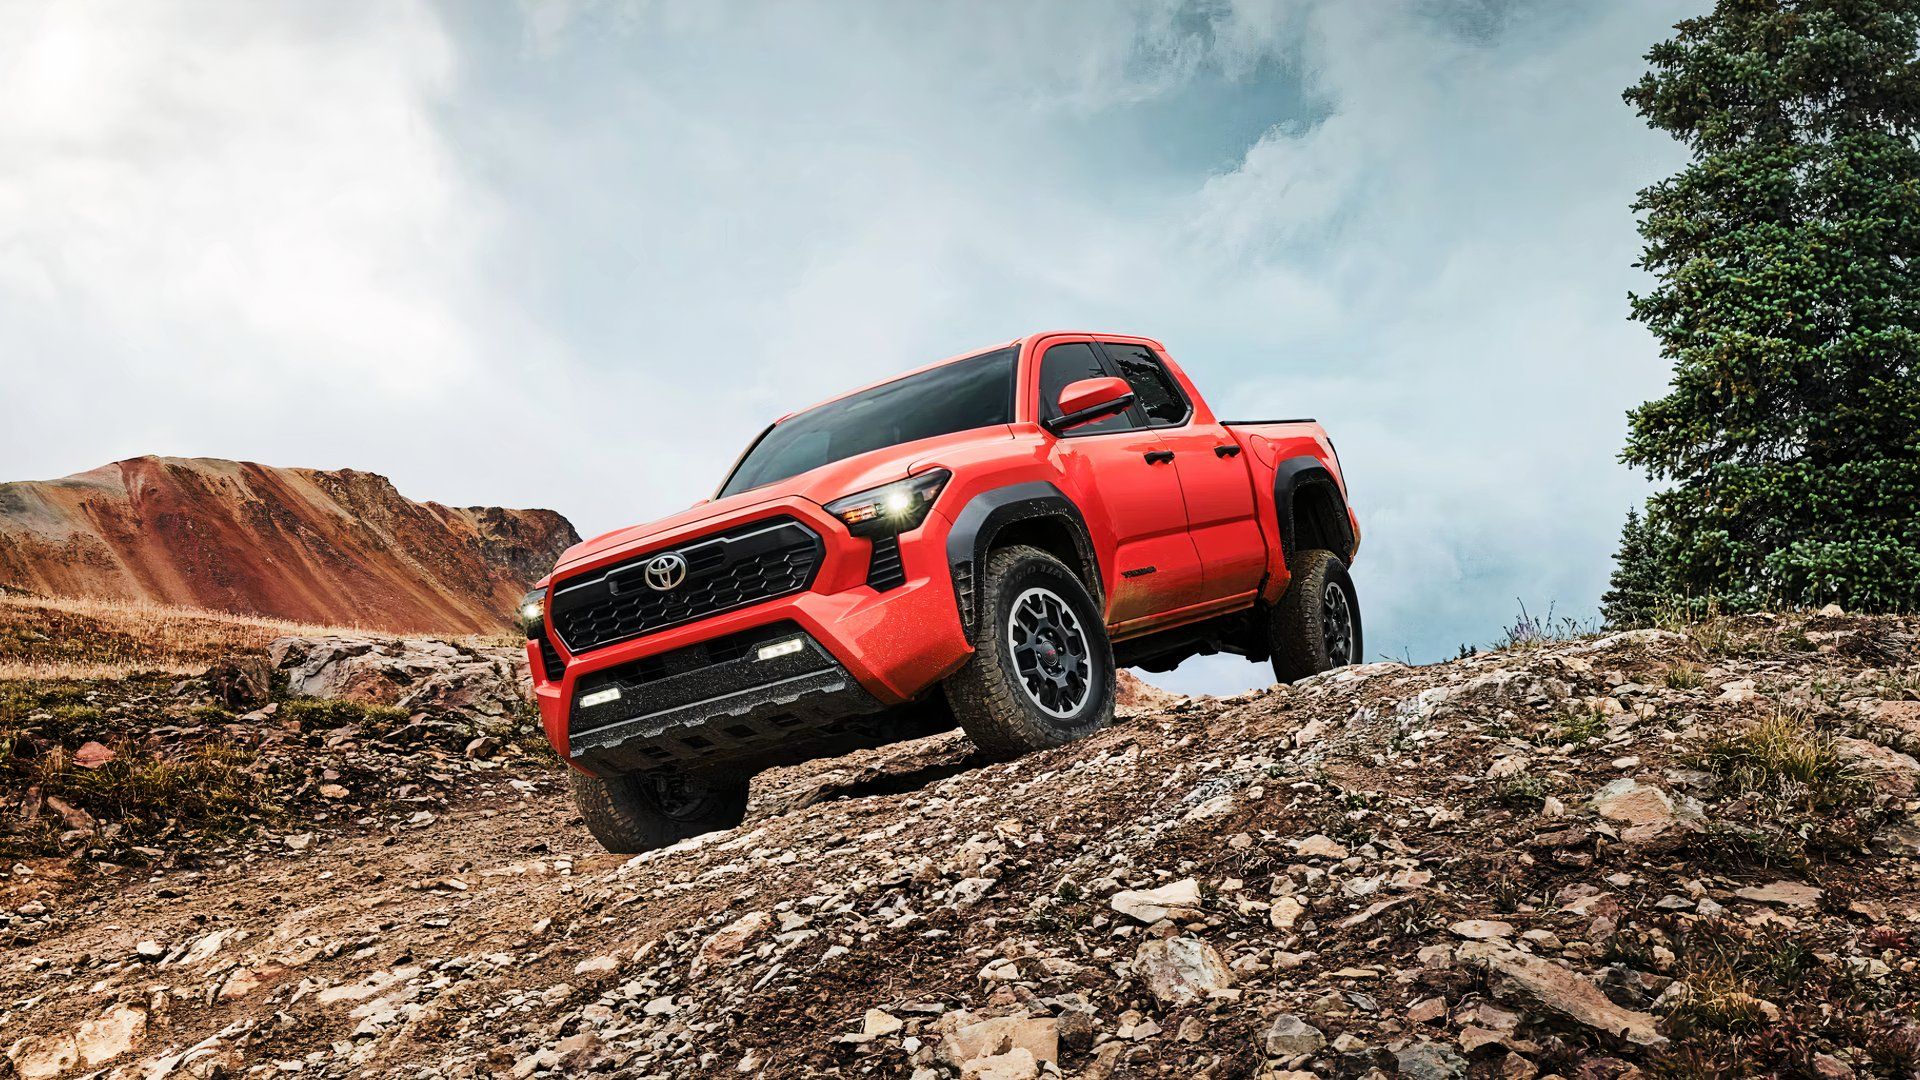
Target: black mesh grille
[[883, 569], [550, 659], [729, 570]]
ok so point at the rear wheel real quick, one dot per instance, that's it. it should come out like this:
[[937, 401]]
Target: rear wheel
[[631, 814], [1316, 626], [1042, 669]]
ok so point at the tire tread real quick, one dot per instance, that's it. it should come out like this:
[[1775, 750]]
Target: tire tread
[[985, 698]]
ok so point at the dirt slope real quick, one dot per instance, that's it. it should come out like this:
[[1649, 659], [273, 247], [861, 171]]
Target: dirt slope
[[1651, 853], [339, 547]]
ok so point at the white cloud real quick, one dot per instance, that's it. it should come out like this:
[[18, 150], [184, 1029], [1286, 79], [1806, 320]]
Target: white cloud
[[255, 187]]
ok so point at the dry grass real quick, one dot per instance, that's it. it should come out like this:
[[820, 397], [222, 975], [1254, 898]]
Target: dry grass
[[1787, 759], [70, 638]]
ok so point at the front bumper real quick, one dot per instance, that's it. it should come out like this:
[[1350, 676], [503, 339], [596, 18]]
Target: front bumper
[[696, 697]]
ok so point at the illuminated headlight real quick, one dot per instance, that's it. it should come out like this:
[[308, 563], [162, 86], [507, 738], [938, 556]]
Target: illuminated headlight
[[532, 611], [782, 648], [894, 508], [600, 697]]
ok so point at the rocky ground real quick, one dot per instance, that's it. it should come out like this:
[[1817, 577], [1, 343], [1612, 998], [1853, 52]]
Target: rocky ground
[[1651, 853]]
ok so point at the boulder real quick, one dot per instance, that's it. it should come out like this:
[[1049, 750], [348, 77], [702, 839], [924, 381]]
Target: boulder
[[1152, 905], [1015, 1064], [1559, 990], [1482, 929], [1891, 772], [1320, 846], [416, 674], [1645, 810], [1180, 971], [1430, 1061], [730, 939], [1289, 1036], [967, 1037], [99, 1040]]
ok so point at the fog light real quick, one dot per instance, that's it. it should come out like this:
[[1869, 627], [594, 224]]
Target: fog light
[[600, 697], [782, 648]]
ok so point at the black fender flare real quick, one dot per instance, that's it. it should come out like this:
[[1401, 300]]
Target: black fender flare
[[1292, 476], [987, 514]]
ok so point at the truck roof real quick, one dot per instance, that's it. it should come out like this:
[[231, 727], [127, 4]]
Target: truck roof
[[969, 354]]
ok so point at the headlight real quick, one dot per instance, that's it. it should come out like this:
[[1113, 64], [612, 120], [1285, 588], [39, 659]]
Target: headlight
[[892, 508], [532, 612]]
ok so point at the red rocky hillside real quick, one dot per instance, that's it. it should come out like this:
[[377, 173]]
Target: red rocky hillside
[[339, 547]]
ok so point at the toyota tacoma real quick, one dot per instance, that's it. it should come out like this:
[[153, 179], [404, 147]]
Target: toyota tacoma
[[982, 542]]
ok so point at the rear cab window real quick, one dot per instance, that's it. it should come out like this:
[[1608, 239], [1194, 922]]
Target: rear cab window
[[1154, 389]]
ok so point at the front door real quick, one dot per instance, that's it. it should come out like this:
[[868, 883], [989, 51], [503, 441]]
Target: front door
[[1121, 476], [1214, 479]]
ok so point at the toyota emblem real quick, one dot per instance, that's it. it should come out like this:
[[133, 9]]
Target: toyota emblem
[[666, 572]]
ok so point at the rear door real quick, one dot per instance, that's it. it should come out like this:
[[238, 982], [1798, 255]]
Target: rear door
[[1118, 472], [1214, 480]]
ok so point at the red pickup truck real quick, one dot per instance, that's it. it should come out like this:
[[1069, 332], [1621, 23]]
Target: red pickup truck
[[981, 542]]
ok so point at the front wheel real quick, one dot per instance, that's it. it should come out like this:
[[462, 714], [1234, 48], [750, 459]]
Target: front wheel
[[1042, 670], [1316, 626], [631, 814]]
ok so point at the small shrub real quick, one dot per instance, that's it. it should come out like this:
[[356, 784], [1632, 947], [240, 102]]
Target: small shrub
[[323, 714], [1728, 971], [1529, 632], [1684, 676], [1785, 759], [1581, 724], [1522, 793]]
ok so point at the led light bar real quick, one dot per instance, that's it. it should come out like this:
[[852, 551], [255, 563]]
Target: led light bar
[[600, 697], [782, 648]]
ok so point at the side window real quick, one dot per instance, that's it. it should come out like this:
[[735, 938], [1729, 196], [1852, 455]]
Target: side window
[[1153, 385], [1063, 365]]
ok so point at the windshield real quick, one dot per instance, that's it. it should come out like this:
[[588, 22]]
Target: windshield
[[972, 393]]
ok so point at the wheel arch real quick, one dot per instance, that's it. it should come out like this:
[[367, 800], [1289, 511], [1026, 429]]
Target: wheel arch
[[1033, 512], [1312, 510]]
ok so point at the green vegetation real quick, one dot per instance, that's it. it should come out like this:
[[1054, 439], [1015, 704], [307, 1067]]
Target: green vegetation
[[1786, 760], [1786, 255], [141, 792], [1684, 676], [1521, 793], [1761, 1002], [1580, 724], [1797, 793]]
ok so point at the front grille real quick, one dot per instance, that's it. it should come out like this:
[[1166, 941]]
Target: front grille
[[883, 568], [727, 570]]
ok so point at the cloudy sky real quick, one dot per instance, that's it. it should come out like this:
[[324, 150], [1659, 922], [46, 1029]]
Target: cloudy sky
[[574, 254]]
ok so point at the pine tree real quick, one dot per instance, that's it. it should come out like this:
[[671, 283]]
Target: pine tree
[[1788, 259], [1640, 591]]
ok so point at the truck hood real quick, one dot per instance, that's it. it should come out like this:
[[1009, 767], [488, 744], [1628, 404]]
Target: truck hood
[[822, 485]]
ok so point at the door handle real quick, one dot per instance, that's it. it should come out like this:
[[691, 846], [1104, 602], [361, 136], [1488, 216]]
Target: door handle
[[1227, 450], [1158, 457]]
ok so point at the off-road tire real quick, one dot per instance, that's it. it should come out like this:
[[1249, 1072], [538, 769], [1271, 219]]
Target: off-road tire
[[989, 697], [627, 814], [1298, 634]]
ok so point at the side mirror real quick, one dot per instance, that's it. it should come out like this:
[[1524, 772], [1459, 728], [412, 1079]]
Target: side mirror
[[1088, 400]]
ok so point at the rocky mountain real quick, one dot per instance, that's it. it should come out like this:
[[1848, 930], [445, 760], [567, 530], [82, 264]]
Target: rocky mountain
[[328, 547], [1671, 853]]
